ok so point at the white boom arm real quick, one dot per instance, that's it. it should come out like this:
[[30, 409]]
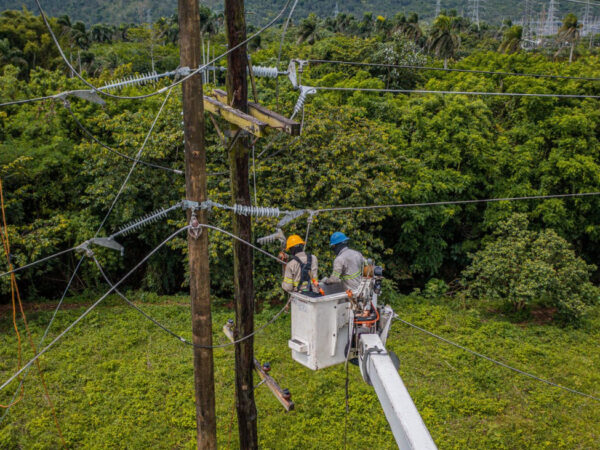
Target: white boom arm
[[405, 421]]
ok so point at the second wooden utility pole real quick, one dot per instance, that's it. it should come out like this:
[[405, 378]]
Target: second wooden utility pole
[[196, 190], [237, 96]]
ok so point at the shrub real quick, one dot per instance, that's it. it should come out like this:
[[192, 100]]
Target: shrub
[[435, 288], [525, 268]]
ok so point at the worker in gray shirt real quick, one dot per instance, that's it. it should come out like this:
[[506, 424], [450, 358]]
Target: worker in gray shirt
[[348, 263]]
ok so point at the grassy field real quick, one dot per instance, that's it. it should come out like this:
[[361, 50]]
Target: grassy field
[[119, 381]]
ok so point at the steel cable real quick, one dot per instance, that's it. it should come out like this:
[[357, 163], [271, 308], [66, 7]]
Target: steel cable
[[45, 334], [27, 100], [458, 202], [34, 263], [91, 308], [137, 156], [499, 363], [89, 134], [479, 93], [442, 69], [177, 336], [162, 90]]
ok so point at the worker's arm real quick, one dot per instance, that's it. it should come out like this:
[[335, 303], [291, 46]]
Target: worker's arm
[[336, 274], [314, 271], [288, 283]]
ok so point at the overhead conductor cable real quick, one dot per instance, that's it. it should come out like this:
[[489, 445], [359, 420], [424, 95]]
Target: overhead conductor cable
[[162, 90]]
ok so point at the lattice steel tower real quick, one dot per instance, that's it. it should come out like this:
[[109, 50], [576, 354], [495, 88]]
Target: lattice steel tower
[[474, 9], [551, 24]]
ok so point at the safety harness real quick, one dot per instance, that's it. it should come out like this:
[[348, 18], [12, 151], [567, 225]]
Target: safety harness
[[305, 276]]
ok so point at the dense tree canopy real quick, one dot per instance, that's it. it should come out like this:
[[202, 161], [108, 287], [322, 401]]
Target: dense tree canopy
[[356, 148]]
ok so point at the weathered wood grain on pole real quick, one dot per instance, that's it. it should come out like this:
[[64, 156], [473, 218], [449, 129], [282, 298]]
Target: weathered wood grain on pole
[[237, 88], [196, 190]]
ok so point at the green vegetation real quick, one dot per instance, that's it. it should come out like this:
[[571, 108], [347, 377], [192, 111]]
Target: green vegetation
[[525, 269], [137, 11], [117, 380], [356, 149]]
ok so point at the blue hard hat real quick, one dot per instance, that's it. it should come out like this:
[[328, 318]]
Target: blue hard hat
[[338, 238]]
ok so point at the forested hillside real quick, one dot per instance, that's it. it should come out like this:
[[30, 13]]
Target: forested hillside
[[460, 159], [138, 11], [395, 148]]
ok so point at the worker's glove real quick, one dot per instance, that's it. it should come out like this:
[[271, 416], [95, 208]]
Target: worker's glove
[[283, 256]]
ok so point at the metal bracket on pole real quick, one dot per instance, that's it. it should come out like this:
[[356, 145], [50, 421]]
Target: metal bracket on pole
[[89, 95], [102, 242]]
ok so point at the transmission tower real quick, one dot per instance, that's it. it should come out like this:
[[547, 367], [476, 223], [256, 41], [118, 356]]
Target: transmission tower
[[551, 24], [587, 20], [474, 9], [529, 34], [438, 7]]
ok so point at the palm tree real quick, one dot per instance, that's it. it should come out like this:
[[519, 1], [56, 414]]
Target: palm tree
[[511, 43], [101, 33], [444, 40], [309, 29], [80, 35], [410, 28], [569, 33], [365, 27]]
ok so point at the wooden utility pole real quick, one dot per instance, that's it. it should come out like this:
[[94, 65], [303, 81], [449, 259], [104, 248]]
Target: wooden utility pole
[[196, 190], [237, 96]]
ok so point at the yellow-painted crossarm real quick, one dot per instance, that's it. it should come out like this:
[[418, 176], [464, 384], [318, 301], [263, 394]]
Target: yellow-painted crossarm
[[244, 121], [272, 119]]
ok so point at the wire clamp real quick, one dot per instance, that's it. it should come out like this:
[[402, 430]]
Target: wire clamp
[[189, 204], [195, 230], [183, 71], [85, 248]]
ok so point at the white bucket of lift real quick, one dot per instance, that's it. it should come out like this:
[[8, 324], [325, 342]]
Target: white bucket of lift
[[319, 329]]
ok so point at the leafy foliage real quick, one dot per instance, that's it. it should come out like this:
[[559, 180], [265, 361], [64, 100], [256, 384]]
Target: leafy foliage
[[356, 149], [527, 268], [106, 400]]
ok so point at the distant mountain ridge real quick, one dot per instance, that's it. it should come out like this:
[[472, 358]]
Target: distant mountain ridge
[[137, 11]]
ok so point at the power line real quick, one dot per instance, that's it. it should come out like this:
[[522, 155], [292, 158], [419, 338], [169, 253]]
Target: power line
[[499, 363], [89, 134], [113, 287], [45, 333], [137, 156], [442, 69], [283, 33], [27, 100], [34, 263], [236, 209], [458, 202], [422, 91], [177, 336], [91, 308], [162, 90]]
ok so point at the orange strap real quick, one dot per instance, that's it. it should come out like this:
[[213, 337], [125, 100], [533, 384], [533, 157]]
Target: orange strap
[[15, 292]]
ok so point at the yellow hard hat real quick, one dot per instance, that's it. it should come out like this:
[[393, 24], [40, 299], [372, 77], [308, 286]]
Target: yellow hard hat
[[293, 240]]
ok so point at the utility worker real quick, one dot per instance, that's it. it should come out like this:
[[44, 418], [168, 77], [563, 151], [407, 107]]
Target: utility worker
[[348, 263], [301, 271]]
